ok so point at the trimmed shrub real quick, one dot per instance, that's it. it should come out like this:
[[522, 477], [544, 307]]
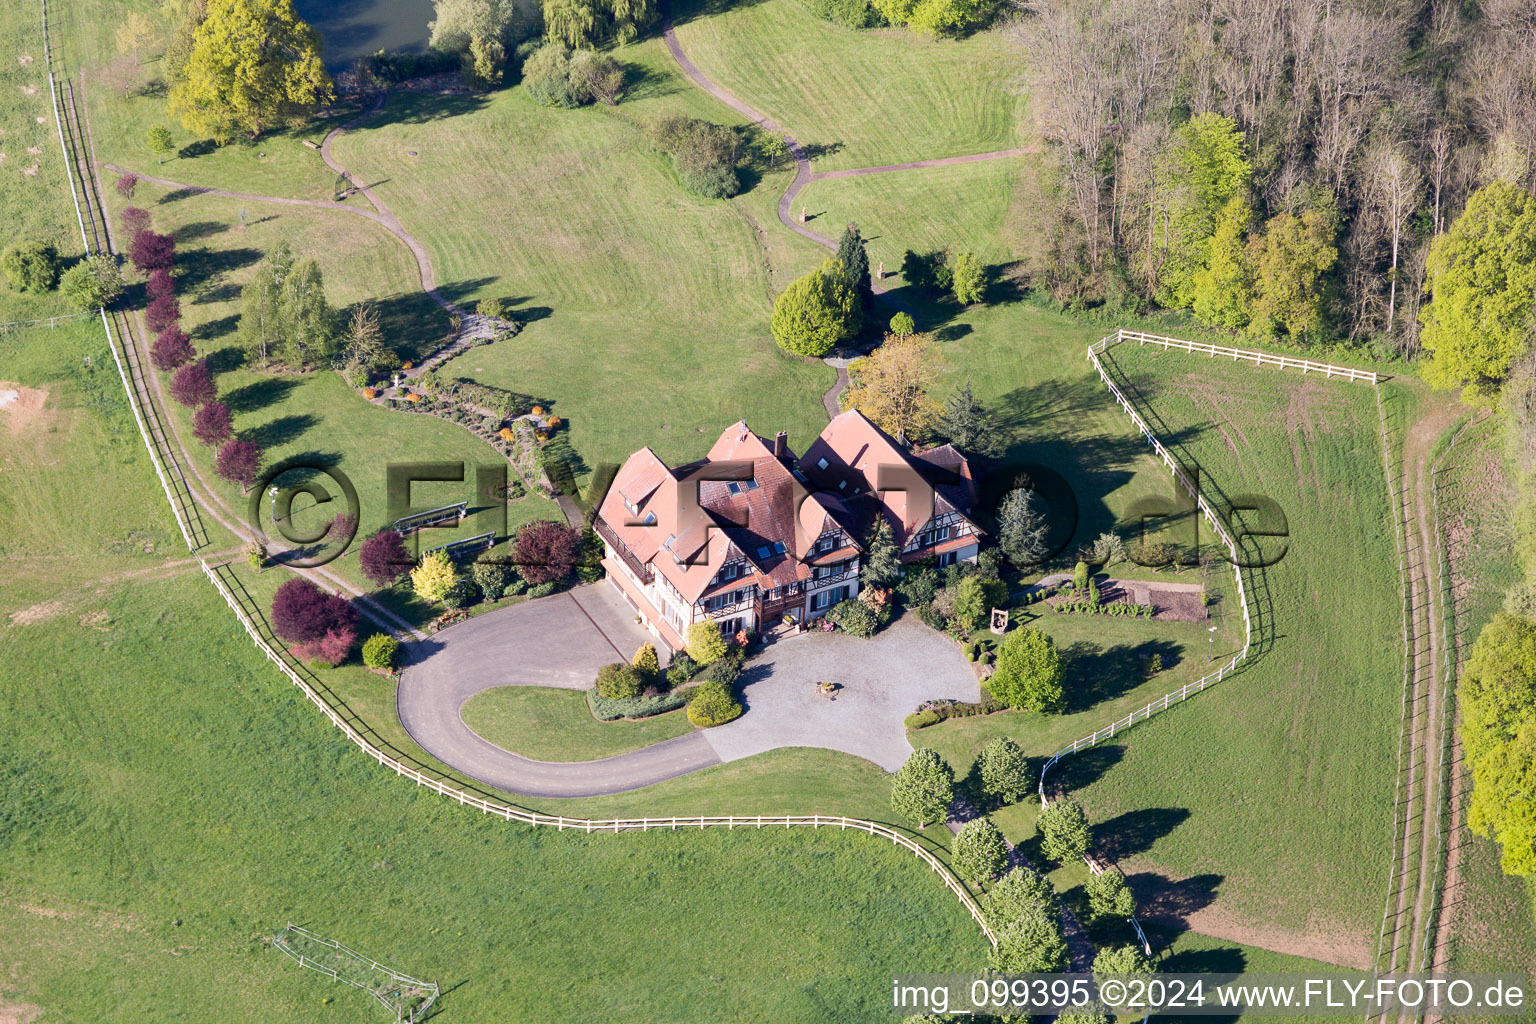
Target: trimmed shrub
[[379, 651], [854, 618], [30, 266], [330, 650], [490, 577], [921, 719], [544, 589], [619, 681], [605, 710], [645, 662], [726, 668], [705, 644], [461, 594], [712, 704]]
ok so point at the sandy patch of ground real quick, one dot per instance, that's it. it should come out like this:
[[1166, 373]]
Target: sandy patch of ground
[[31, 172], [35, 150], [28, 90], [24, 59], [21, 407], [40, 612], [19, 1013]]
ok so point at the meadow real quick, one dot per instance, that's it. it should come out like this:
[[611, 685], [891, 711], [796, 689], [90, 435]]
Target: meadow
[[856, 98], [1273, 792]]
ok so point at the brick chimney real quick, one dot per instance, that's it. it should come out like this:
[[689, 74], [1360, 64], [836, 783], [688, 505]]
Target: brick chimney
[[781, 444]]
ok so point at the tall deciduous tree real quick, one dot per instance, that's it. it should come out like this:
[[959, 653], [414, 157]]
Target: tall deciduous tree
[[922, 788], [171, 349], [212, 424], [1064, 832], [980, 854], [1290, 273], [891, 386], [1482, 282], [545, 551], [1004, 770], [1222, 291], [383, 558], [239, 462], [253, 65], [284, 314], [260, 329], [968, 280], [1209, 165], [193, 384], [1030, 943], [1108, 895], [93, 282], [1028, 673], [1018, 893]]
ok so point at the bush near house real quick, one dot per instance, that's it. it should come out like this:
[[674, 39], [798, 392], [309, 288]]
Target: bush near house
[[379, 651], [713, 704], [605, 710], [855, 618], [705, 644]]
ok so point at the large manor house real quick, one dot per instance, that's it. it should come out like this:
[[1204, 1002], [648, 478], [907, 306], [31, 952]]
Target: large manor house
[[752, 537]]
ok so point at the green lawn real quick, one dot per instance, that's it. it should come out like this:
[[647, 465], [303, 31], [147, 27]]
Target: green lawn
[[555, 725], [182, 802], [864, 98], [1280, 780], [968, 206]]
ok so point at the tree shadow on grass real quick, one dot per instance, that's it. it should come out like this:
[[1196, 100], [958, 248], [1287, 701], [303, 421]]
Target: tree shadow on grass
[[423, 108], [203, 265], [684, 11], [1095, 674], [259, 393], [198, 229], [641, 83], [215, 328], [223, 360], [281, 431], [1076, 771], [1133, 832]]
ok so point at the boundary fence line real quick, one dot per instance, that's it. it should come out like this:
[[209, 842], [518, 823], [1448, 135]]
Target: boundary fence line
[[51, 321], [1250, 355], [1210, 679], [509, 812]]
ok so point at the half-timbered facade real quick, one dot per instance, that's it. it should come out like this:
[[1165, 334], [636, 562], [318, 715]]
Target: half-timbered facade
[[781, 539]]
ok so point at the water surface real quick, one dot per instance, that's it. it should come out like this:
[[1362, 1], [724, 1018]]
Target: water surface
[[356, 28]]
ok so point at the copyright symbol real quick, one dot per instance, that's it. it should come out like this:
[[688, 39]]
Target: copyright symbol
[[1112, 992], [284, 482]]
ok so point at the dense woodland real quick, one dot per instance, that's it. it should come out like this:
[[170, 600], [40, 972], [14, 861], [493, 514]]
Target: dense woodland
[[1278, 167]]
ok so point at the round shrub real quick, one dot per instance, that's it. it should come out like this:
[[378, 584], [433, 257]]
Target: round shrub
[[379, 651], [30, 266], [547, 77], [713, 703], [726, 668], [618, 681], [921, 719], [682, 669], [461, 594], [491, 578], [714, 182]]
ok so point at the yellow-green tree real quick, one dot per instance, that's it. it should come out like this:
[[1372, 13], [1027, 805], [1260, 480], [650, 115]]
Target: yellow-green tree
[[816, 311], [1290, 269], [1482, 283], [1497, 694], [1223, 288], [891, 385], [645, 661], [432, 578], [254, 64]]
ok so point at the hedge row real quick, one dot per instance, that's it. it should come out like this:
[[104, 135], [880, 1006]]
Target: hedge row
[[1140, 611], [605, 710], [956, 709]]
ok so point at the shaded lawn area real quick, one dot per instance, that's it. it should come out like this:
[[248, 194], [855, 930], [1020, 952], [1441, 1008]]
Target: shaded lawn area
[[550, 724], [856, 98]]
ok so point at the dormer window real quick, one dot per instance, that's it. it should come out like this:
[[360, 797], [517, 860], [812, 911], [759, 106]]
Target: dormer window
[[825, 545], [650, 519]]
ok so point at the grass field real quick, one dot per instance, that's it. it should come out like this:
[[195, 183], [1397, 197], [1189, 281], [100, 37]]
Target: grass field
[[1273, 791], [1494, 915], [858, 99], [555, 725], [174, 801], [968, 206]]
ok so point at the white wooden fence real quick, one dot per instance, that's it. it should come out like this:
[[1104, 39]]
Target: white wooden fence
[[50, 321], [1249, 355], [560, 822]]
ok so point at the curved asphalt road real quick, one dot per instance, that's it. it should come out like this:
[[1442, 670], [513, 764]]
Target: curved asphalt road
[[559, 641]]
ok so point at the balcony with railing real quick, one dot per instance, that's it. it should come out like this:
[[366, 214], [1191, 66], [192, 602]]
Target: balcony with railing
[[640, 570]]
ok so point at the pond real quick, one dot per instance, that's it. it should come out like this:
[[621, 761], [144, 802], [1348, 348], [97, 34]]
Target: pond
[[356, 28]]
